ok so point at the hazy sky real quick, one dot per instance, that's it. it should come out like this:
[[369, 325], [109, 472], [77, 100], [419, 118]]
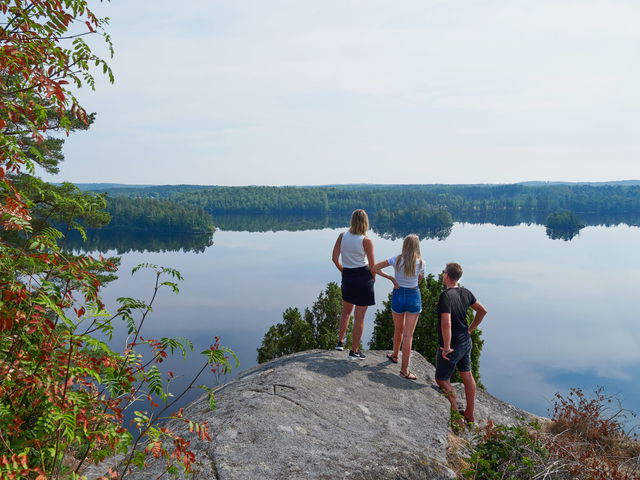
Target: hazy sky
[[365, 91]]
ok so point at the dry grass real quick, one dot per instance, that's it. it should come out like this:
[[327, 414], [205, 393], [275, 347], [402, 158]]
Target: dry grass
[[584, 440]]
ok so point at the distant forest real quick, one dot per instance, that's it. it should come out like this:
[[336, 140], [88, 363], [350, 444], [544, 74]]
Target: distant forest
[[461, 201], [161, 215]]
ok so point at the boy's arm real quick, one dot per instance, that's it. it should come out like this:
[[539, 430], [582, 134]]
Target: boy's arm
[[480, 313], [445, 327]]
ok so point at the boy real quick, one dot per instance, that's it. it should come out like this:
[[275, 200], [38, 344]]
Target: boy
[[454, 337]]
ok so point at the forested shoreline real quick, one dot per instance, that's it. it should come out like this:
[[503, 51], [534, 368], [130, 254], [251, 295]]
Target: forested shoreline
[[192, 208], [157, 214]]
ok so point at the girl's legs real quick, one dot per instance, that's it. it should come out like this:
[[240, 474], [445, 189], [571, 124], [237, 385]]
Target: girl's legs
[[358, 327], [344, 320], [411, 319], [398, 327]]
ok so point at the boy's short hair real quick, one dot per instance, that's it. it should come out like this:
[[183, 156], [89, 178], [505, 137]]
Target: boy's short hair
[[454, 270]]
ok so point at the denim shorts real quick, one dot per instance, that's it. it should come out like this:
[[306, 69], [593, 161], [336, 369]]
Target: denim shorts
[[406, 300], [460, 357]]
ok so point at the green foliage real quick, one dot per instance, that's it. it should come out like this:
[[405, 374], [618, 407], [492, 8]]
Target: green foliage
[[318, 328], [507, 452], [425, 336], [64, 392], [257, 199]]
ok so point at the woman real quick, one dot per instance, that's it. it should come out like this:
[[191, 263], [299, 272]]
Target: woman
[[356, 251], [406, 302]]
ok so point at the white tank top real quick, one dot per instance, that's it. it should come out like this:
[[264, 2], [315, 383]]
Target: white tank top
[[352, 251]]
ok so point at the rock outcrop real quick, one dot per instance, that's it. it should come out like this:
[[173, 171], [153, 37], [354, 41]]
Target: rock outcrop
[[318, 415]]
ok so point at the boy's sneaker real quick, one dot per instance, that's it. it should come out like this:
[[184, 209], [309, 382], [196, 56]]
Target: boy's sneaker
[[340, 346], [356, 355]]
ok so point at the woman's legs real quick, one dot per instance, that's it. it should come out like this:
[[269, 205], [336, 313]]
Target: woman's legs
[[344, 320], [411, 319], [358, 327], [398, 327]]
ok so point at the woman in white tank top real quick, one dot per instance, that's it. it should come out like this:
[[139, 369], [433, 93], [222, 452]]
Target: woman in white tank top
[[355, 250]]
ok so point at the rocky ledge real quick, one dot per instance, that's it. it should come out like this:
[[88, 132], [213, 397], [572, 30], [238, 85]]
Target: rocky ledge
[[319, 415]]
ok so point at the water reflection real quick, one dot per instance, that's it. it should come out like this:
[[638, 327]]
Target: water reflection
[[423, 231], [137, 241], [140, 241], [565, 234]]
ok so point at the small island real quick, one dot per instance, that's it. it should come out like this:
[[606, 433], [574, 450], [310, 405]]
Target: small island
[[563, 225]]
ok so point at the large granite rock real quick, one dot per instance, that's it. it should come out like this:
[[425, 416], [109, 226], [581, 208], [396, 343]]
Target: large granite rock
[[319, 415]]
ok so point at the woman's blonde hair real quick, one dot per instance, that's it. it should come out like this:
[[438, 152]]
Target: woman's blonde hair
[[410, 254], [359, 222]]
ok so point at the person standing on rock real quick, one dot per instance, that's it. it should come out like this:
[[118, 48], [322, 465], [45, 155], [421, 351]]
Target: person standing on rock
[[356, 251], [406, 302], [454, 338]]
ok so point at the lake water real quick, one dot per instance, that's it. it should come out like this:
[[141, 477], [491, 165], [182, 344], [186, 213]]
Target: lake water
[[561, 313]]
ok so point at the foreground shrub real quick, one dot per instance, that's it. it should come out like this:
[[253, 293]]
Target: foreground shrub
[[585, 440], [508, 452]]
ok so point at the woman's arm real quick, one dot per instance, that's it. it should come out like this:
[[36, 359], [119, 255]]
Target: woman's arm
[[377, 268], [368, 250], [335, 255]]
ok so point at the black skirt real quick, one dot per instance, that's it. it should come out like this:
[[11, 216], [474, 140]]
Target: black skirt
[[357, 286]]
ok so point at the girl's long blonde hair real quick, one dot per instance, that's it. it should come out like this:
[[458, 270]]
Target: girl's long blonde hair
[[410, 254], [359, 222]]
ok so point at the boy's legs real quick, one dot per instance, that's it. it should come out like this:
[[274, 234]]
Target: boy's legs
[[446, 387], [470, 394], [460, 358]]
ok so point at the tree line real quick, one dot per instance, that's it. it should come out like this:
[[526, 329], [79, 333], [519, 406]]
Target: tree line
[[459, 200], [157, 215]]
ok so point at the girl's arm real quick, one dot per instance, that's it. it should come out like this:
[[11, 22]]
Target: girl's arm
[[377, 269], [335, 255]]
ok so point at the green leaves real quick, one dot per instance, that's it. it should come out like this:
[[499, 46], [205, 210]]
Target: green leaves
[[318, 328], [180, 343]]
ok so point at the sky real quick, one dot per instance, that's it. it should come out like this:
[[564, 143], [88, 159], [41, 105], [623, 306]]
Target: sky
[[301, 92]]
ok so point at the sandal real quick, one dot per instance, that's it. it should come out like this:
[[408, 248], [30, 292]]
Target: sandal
[[409, 375], [391, 358]]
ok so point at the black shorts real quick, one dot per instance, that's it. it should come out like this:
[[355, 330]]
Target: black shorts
[[460, 358], [357, 286]]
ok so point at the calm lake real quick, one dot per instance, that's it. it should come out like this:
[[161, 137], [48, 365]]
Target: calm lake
[[561, 313]]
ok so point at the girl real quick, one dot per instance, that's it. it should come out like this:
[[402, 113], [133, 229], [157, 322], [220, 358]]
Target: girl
[[406, 302], [356, 251]]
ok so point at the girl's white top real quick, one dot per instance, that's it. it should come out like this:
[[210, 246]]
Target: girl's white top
[[352, 251], [401, 278]]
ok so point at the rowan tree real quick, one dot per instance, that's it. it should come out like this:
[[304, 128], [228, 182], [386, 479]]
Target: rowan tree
[[63, 388]]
